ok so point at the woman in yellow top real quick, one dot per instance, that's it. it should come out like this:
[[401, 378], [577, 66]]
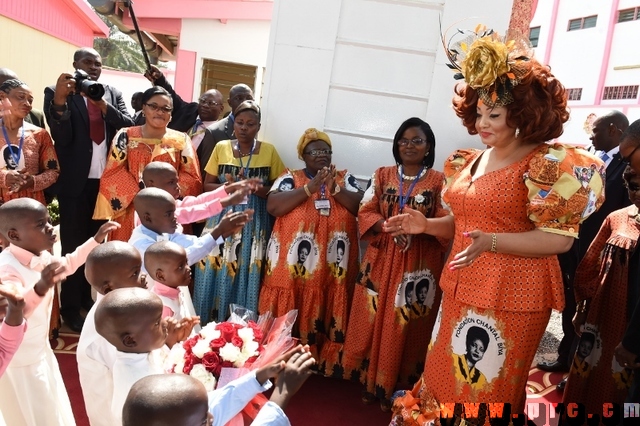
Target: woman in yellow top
[[135, 147], [216, 285]]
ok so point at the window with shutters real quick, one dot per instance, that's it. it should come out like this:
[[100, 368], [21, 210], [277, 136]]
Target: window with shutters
[[620, 92], [627, 15], [224, 75], [582, 23], [574, 94], [534, 36]]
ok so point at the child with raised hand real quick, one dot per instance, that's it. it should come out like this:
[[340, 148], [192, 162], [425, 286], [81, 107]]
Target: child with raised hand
[[31, 390], [157, 208], [189, 209], [178, 399], [112, 265], [14, 325], [131, 320], [166, 262]]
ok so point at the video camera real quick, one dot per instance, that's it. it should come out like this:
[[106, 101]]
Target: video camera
[[84, 84]]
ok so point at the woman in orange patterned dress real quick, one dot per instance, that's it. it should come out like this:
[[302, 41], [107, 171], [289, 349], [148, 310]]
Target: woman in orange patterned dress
[[514, 206], [135, 147], [601, 287], [28, 164], [312, 255], [396, 296]]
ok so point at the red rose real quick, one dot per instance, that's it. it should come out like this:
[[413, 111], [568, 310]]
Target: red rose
[[227, 330], [237, 342], [211, 362], [189, 362], [257, 331], [190, 343], [217, 343], [226, 364], [250, 361]]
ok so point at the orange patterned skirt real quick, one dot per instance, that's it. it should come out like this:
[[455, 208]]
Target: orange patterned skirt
[[476, 355]]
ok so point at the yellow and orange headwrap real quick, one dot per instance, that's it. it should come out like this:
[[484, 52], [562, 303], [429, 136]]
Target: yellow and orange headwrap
[[309, 136]]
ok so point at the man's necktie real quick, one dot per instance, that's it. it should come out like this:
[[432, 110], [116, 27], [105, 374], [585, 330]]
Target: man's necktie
[[604, 157], [96, 123]]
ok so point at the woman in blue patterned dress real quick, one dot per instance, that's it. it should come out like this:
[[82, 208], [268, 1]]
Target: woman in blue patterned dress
[[232, 272]]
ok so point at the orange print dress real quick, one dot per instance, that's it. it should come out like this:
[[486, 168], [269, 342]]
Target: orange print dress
[[494, 312], [38, 158], [122, 178], [320, 284], [603, 278], [396, 296]]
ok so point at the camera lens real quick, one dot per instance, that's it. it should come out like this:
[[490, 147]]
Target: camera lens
[[92, 89]]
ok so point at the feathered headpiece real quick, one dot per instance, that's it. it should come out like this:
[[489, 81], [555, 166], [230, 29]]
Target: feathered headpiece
[[489, 63]]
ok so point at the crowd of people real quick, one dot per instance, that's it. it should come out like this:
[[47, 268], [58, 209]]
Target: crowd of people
[[449, 300]]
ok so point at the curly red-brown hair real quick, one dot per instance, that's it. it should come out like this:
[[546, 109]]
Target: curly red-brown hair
[[539, 108]]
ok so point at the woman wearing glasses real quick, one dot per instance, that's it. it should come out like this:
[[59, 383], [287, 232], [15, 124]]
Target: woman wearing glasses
[[601, 286], [313, 250], [388, 333], [135, 147], [233, 275]]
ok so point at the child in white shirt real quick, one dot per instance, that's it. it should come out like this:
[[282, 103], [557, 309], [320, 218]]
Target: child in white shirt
[[112, 265], [31, 390], [131, 320]]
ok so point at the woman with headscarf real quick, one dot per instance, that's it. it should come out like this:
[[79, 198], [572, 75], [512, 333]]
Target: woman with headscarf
[[513, 207], [387, 337], [315, 235], [135, 147], [28, 164], [216, 284]]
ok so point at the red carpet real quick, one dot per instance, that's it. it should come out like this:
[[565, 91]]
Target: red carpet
[[321, 401]]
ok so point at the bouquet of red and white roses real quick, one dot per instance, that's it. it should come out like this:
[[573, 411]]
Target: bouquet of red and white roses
[[239, 344]]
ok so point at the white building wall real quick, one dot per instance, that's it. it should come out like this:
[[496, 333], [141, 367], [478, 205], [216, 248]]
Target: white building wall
[[241, 42], [358, 68], [576, 57]]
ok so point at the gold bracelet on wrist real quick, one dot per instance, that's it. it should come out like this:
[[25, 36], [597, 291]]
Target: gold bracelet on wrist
[[494, 243], [306, 189]]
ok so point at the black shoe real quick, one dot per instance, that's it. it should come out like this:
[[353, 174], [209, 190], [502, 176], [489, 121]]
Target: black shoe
[[560, 386], [87, 304], [74, 321], [553, 367]]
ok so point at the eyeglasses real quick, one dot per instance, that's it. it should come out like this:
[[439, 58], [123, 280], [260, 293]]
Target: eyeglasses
[[207, 103], [156, 107], [414, 142], [628, 158], [633, 187], [319, 152]]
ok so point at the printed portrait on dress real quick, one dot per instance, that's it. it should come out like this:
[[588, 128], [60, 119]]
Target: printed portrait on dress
[[303, 255], [7, 161], [478, 350], [338, 254], [588, 351], [415, 295]]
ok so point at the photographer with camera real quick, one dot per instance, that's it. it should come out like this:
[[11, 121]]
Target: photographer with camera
[[83, 116]]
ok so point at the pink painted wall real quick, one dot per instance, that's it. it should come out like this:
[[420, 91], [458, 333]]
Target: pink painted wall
[[72, 21], [185, 72], [205, 9]]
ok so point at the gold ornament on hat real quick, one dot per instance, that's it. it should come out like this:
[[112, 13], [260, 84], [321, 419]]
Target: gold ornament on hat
[[491, 64]]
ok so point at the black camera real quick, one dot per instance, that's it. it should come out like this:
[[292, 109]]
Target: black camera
[[84, 84]]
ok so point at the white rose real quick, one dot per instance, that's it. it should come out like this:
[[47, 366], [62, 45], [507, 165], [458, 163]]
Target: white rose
[[209, 332], [175, 357], [201, 374], [229, 352], [200, 348], [242, 358], [246, 334], [250, 348], [179, 367]]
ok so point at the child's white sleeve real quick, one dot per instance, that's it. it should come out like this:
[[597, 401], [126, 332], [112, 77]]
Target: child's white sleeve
[[271, 414], [226, 402]]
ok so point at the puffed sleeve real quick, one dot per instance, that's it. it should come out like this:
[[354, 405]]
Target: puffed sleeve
[[283, 183], [566, 185], [452, 166]]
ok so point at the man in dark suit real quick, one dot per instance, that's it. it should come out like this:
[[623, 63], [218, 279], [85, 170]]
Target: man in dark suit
[[136, 104], [628, 351], [605, 138], [191, 117], [35, 116], [82, 130], [223, 129]]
